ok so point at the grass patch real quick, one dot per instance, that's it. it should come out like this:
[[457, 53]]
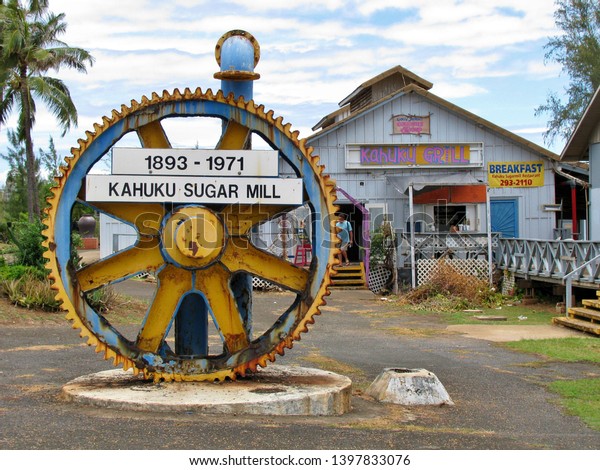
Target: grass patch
[[581, 398], [560, 349], [516, 314], [538, 314]]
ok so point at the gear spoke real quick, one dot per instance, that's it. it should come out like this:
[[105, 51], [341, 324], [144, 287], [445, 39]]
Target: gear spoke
[[241, 255], [235, 137], [152, 135], [173, 284], [214, 283], [141, 257]]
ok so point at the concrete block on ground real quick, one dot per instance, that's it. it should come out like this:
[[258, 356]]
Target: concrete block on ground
[[409, 387]]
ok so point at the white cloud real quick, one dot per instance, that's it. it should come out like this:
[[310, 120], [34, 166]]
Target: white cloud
[[541, 70], [313, 52], [466, 65], [451, 90]]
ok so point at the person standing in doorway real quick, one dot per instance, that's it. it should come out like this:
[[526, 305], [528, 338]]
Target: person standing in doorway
[[346, 236]]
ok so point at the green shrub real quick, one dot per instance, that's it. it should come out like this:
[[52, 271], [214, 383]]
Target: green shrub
[[102, 300], [17, 271], [27, 236], [30, 291]]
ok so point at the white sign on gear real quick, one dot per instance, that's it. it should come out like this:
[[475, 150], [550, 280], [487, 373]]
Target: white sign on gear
[[196, 162], [183, 189]]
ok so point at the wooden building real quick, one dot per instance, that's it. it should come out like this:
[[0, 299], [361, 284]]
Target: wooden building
[[396, 148]]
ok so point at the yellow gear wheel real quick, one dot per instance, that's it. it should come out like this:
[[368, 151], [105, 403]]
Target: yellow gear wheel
[[200, 254]]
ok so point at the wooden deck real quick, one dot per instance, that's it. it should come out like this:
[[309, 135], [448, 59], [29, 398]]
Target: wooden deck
[[551, 260]]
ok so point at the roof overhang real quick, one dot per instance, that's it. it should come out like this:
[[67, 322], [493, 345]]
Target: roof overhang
[[578, 145]]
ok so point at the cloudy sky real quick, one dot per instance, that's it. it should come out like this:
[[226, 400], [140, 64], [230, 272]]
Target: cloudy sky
[[486, 56]]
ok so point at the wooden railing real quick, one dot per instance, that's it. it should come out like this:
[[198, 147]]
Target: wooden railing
[[552, 259], [462, 244]]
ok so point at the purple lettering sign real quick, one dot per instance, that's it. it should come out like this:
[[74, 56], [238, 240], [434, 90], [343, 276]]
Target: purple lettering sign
[[388, 155], [411, 124], [420, 154]]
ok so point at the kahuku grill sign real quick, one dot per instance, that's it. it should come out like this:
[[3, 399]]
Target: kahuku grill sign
[[417, 155], [194, 176]]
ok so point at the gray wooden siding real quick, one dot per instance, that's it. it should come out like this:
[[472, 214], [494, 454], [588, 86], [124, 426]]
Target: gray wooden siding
[[374, 127]]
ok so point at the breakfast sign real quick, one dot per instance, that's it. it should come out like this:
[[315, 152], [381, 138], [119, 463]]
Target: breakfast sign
[[515, 174]]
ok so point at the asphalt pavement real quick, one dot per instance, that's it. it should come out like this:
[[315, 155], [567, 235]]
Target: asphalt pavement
[[501, 397]]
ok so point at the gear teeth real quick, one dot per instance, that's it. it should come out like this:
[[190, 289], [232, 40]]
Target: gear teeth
[[260, 111]]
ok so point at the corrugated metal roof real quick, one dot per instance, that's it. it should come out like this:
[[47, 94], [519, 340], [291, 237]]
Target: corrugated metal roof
[[408, 76]]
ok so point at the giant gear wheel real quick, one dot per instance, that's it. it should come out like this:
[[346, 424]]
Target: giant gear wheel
[[180, 273]]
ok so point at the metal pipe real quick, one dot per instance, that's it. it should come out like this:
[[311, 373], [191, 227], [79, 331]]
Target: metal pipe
[[574, 210], [488, 216], [237, 53]]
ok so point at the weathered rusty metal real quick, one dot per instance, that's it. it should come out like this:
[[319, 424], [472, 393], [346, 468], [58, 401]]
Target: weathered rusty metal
[[214, 282], [240, 43], [173, 284], [192, 269]]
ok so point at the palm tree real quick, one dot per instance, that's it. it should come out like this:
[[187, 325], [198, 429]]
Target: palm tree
[[30, 49]]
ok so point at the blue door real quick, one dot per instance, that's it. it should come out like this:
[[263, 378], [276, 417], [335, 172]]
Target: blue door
[[505, 217]]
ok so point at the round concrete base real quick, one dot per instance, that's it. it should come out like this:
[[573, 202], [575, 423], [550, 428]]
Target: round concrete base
[[276, 390]]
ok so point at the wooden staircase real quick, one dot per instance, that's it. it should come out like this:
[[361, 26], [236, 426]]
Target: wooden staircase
[[349, 277], [586, 318]]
